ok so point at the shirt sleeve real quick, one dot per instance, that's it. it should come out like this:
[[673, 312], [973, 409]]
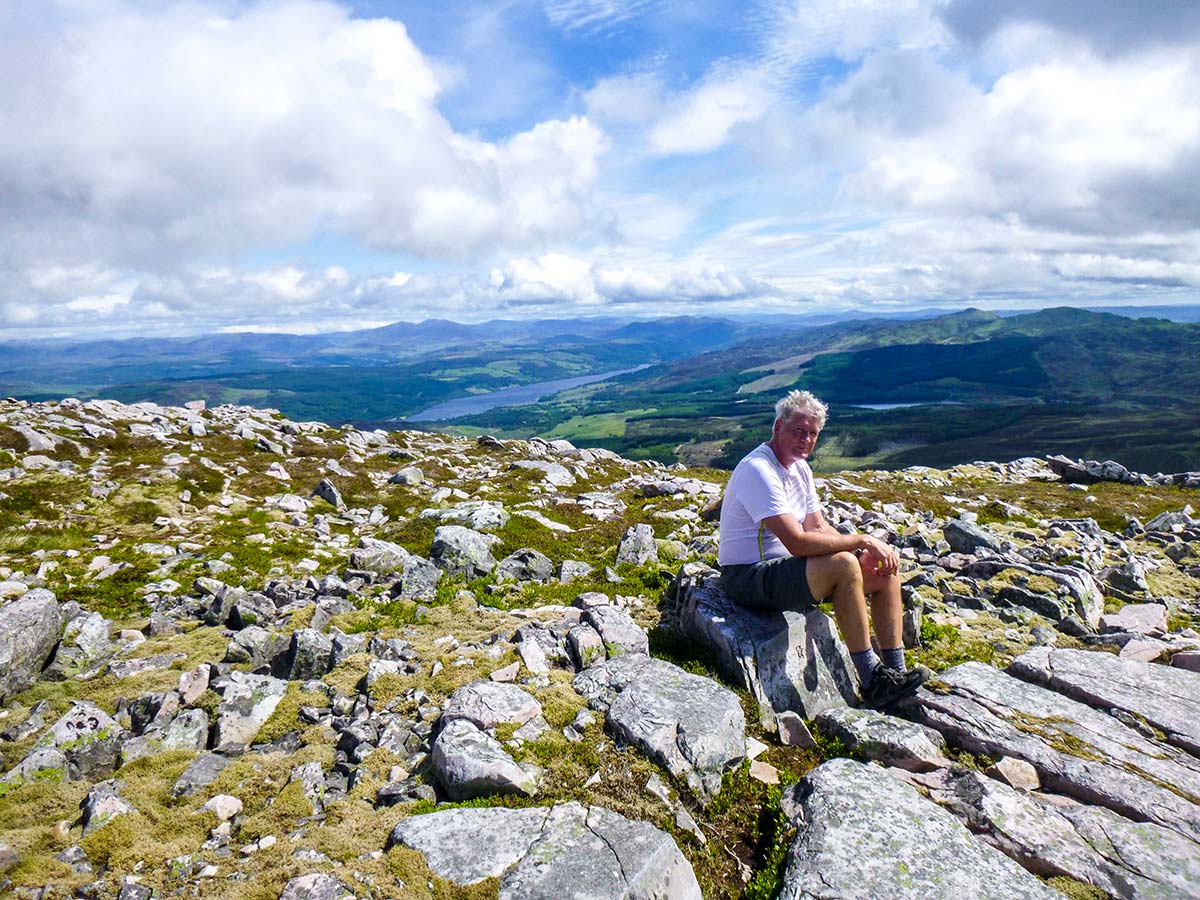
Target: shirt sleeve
[[761, 491]]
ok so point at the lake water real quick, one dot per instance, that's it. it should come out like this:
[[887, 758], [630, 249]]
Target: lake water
[[902, 405], [514, 396]]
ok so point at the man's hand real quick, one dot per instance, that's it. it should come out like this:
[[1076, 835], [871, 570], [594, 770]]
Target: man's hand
[[878, 558]]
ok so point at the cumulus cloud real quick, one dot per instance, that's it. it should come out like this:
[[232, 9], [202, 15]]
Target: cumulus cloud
[[173, 130]]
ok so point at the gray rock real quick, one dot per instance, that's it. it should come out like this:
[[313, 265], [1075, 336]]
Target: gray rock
[[327, 608], [470, 763], [885, 738], [309, 655], [487, 704], [1077, 594], [256, 646], [42, 763], [246, 704], [84, 649], [311, 778], [1128, 578], [525, 564], [408, 475], [89, 738], [567, 850], [689, 724], [381, 557], [617, 630], [1164, 697], [28, 632], [638, 546], [1076, 750], [585, 645], [573, 570], [315, 886], [327, 491], [344, 646], [251, 609], [200, 773], [788, 661], [967, 537], [1167, 522], [103, 804], [553, 473], [1125, 859], [1136, 618], [461, 551], [419, 580], [863, 833], [478, 515]]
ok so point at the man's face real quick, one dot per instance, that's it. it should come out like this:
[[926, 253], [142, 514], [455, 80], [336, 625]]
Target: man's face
[[795, 437]]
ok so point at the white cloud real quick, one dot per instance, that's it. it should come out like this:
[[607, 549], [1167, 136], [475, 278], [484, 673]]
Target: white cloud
[[703, 118], [142, 135]]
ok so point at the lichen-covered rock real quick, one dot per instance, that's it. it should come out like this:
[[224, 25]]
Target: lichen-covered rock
[[618, 632], [461, 551], [1076, 750], [1126, 859], [378, 556], [89, 738], [308, 655], [525, 564], [200, 773], [863, 833], [788, 661], [419, 580], [28, 632], [1166, 698], [247, 701], [967, 537], [84, 649], [487, 704], [637, 546], [687, 723], [315, 886], [470, 763], [102, 804], [567, 850], [885, 738]]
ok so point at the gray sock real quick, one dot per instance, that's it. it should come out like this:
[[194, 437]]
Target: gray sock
[[865, 662], [894, 658]]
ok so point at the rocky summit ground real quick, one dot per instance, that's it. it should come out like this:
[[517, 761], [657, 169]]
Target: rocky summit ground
[[247, 657]]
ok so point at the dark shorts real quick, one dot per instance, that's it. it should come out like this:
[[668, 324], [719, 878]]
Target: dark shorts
[[770, 586]]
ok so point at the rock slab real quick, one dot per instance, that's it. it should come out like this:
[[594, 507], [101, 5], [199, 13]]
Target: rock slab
[[567, 850], [862, 833]]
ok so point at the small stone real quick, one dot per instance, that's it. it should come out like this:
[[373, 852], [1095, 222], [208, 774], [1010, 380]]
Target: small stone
[[506, 674], [1016, 773], [793, 732], [764, 772], [223, 806], [1187, 659], [658, 788]]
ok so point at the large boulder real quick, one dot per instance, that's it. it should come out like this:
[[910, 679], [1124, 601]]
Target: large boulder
[[471, 763], [1123, 858], [618, 632], [461, 551], [691, 725], [380, 557], [525, 564], [28, 632], [487, 704], [789, 661], [892, 741], [84, 650], [1076, 592], [567, 850], [1077, 750], [84, 744], [863, 833], [1165, 697]]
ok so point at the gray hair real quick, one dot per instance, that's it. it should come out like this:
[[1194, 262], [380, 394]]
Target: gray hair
[[801, 403]]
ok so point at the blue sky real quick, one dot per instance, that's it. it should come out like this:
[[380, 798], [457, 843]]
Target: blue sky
[[302, 165]]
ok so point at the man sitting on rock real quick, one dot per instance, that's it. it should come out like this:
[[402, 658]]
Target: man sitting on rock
[[778, 552]]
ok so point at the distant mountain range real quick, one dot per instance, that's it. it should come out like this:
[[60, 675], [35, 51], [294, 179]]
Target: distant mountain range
[[1056, 380]]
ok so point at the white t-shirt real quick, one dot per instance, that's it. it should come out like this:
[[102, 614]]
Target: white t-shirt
[[760, 487]]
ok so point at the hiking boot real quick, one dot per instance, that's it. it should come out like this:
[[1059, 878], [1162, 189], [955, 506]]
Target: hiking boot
[[889, 685]]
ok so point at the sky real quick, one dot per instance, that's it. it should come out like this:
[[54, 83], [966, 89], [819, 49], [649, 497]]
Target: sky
[[310, 165]]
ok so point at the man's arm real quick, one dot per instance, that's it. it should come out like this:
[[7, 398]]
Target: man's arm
[[816, 537]]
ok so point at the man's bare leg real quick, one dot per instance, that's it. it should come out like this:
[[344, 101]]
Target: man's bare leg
[[839, 575], [887, 608]]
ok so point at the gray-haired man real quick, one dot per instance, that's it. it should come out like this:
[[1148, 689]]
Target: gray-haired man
[[778, 552]]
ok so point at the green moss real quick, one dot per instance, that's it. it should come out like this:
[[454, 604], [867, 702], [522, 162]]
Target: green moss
[[1076, 889]]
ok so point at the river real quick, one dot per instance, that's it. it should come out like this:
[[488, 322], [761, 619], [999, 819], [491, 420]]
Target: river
[[514, 396]]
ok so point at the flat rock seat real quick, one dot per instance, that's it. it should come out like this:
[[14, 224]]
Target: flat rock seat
[[789, 661]]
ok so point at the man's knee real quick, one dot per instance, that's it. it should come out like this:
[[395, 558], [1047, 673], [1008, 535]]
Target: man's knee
[[845, 566]]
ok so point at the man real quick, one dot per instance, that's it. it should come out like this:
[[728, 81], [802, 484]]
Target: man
[[778, 552]]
